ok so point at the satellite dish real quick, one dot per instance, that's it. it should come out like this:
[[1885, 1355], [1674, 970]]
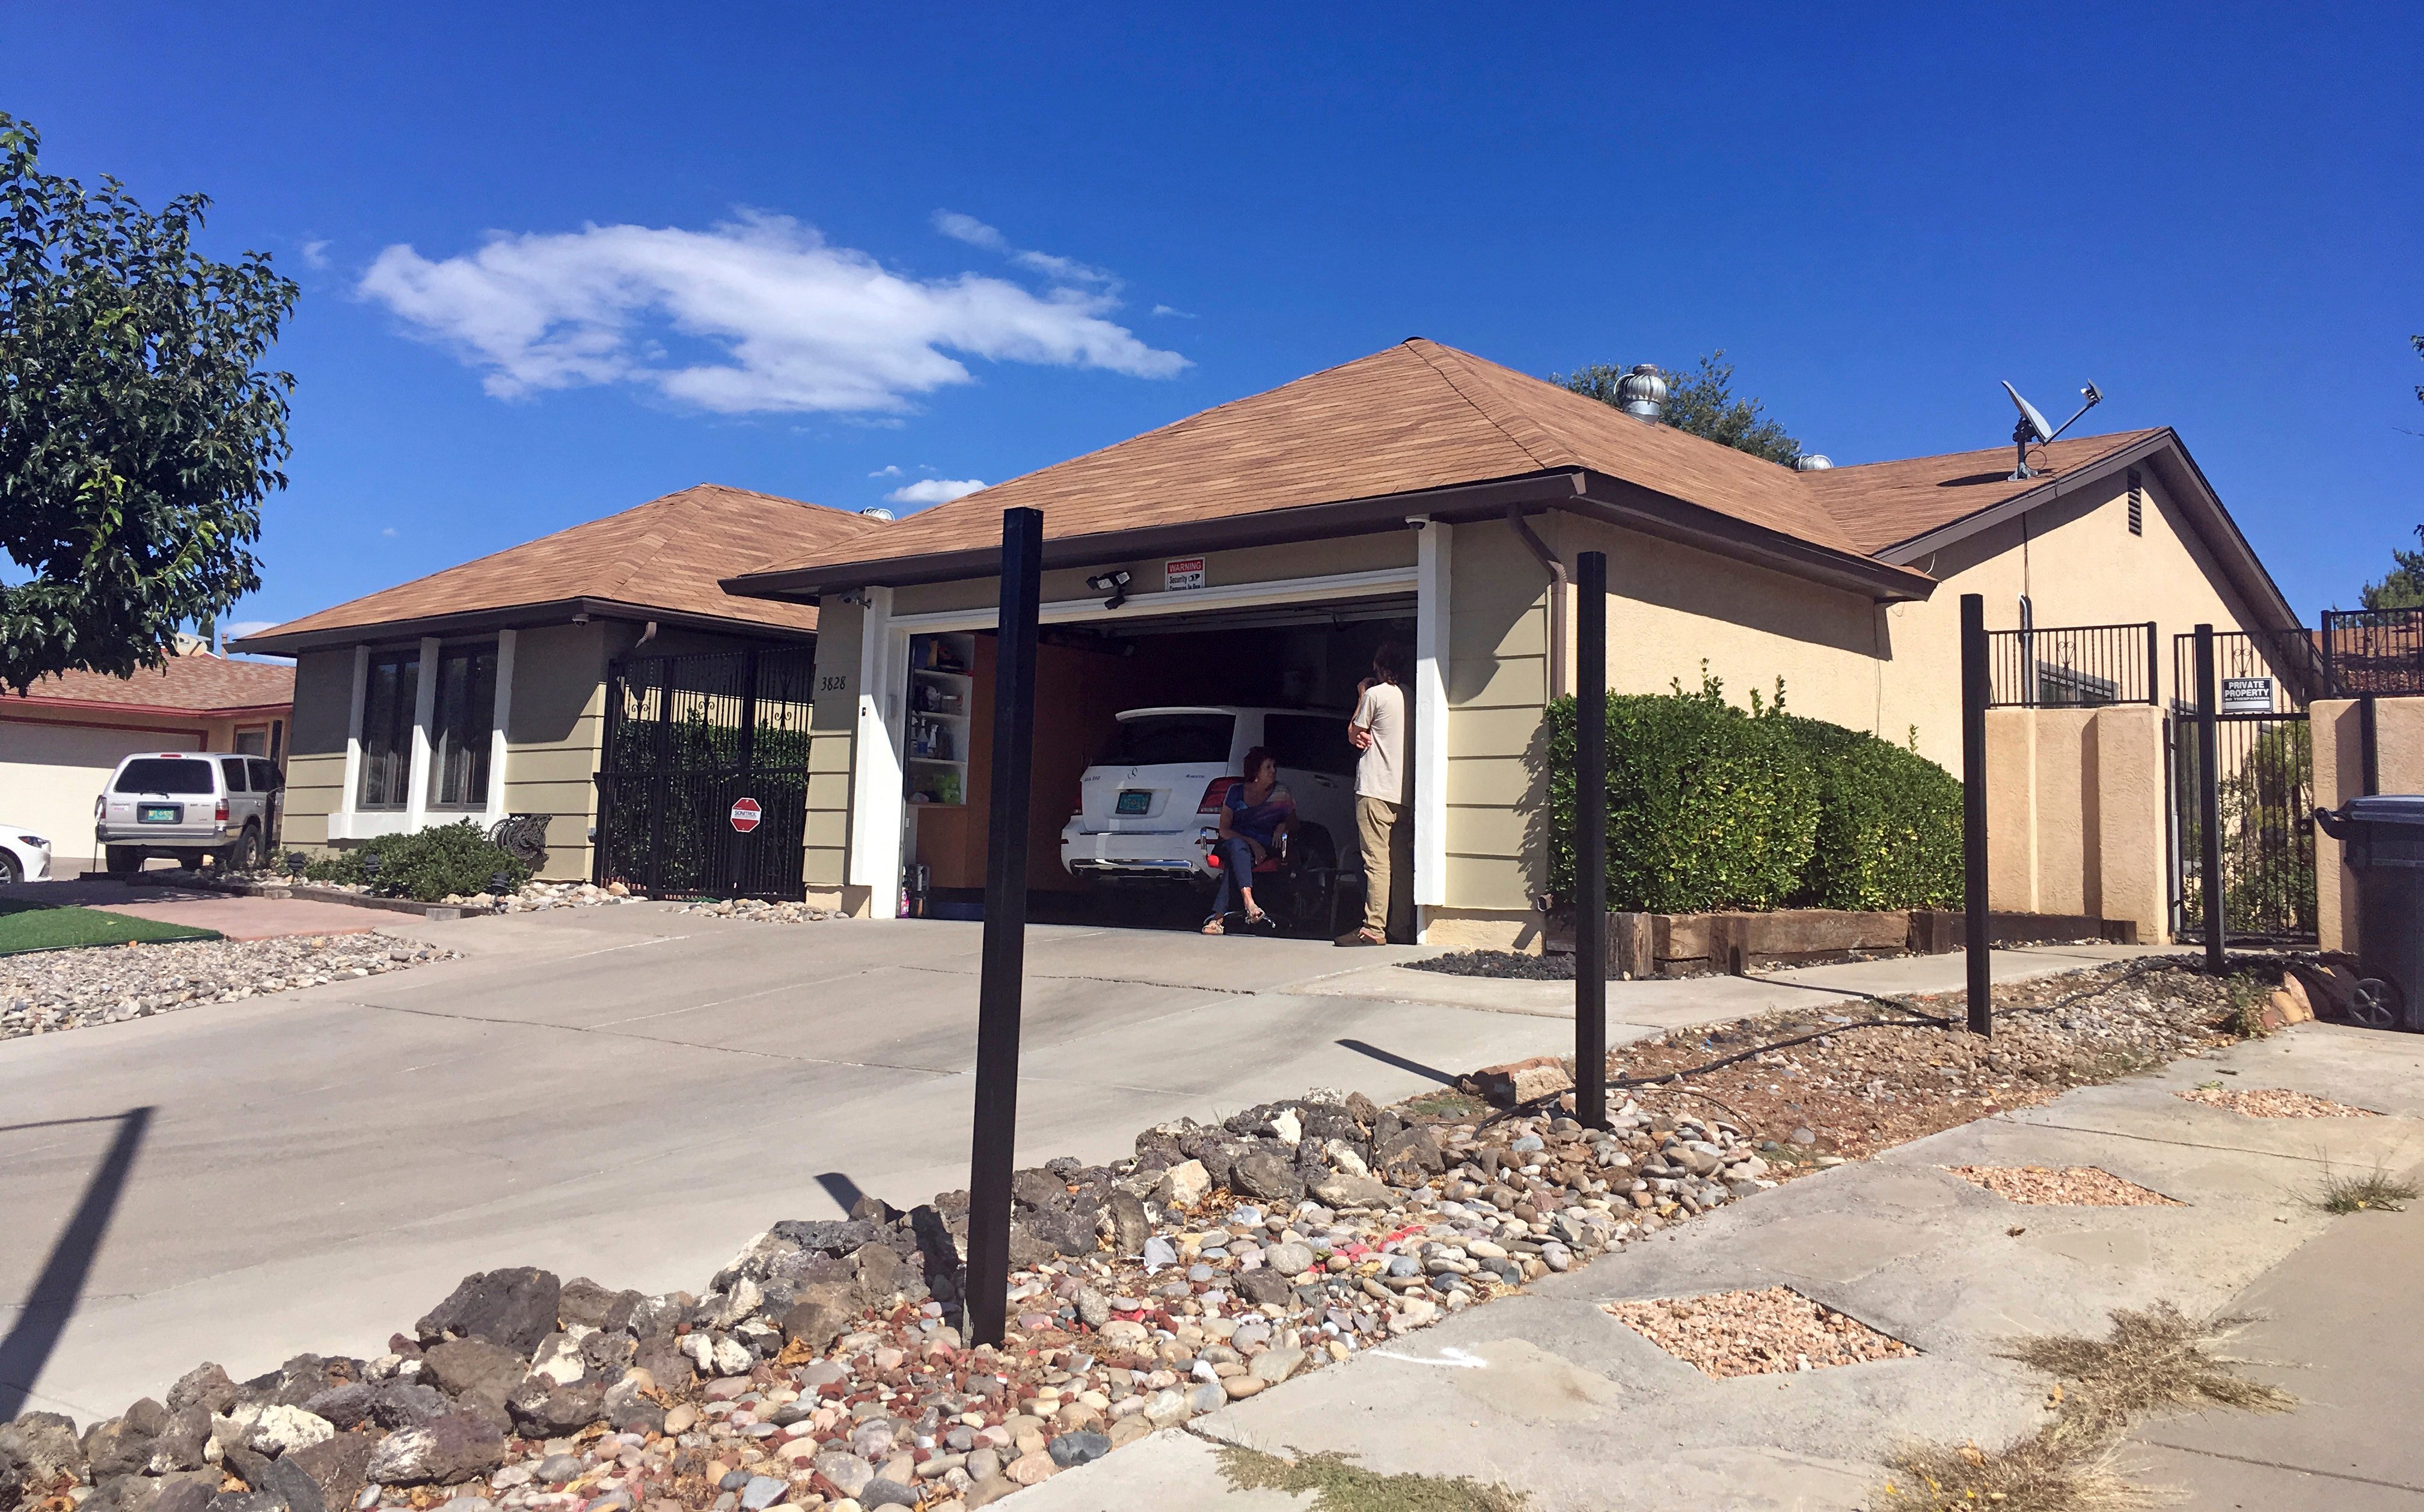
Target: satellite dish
[[2032, 427]]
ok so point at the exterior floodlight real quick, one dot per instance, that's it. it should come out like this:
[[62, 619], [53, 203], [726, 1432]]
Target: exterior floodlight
[[1113, 583]]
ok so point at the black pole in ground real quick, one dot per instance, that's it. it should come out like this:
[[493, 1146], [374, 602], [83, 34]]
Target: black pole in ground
[[2209, 800], [1974, 813], [1005, 929], [1590, 843]]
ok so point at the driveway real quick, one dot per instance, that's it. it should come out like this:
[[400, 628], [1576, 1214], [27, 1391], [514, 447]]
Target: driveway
[[633, 1093]]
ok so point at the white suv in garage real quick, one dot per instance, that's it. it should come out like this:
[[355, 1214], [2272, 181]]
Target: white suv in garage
[[1146, 804], [188, 804]]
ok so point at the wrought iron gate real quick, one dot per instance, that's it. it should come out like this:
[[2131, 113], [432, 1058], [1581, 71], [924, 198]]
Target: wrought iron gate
[[2262, 778], [688, 738]]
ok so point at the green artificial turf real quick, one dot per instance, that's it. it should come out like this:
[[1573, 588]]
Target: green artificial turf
[[26, 926]]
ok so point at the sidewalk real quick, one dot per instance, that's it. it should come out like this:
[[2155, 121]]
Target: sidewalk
[[1546, 1393]]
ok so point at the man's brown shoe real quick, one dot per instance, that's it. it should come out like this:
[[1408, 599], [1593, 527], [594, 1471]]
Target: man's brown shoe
[[1360, 938]]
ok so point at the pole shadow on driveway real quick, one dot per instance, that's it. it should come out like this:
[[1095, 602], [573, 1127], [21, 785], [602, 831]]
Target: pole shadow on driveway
[[1445, 1078], [44, 1317]]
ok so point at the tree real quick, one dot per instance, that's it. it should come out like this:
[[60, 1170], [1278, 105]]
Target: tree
[[1702, 403], [2402, 586], [139, 434]]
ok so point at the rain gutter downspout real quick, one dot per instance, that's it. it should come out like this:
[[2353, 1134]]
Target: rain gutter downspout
[[1558, 588]]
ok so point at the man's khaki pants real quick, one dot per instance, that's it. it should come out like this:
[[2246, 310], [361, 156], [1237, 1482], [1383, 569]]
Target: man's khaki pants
[[1388, 843]]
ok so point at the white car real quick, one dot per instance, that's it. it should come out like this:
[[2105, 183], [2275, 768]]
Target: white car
[[1149, 806], [25, 856]]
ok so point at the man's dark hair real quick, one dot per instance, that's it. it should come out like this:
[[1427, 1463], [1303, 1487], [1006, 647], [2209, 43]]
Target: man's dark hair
[[1390, 656]]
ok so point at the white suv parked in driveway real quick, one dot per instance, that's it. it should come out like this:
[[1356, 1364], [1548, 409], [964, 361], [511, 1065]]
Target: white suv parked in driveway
[[188, 804], [1147, 803]]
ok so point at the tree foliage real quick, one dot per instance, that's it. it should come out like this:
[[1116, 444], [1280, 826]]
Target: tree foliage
[[138, 433], [1702, 403]]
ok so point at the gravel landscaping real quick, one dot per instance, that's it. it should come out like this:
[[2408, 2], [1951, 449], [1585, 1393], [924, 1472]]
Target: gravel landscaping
[[1521, 966], [55, 989], [758, 909], [1756, 1333], [2275, 1103], [2066, 1187]]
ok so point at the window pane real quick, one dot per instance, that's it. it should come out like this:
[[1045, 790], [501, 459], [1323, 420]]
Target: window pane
[[1310, 742], [166, 774], [252, 742], [1170, 740], [389, 696], [459, 727], [233, 768]]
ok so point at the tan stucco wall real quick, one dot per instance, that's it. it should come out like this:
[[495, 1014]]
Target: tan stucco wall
[[315, 762], [2336, 725], [841, 631], [2075, 820]]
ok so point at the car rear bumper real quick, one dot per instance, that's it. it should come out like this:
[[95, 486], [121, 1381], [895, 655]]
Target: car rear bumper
[[1171, 853], [162, 836]]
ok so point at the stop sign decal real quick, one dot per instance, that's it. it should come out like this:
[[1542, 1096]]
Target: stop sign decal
[[745, 815]]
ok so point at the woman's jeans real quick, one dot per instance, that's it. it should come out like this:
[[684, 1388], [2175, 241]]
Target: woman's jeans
[[1236, 872]]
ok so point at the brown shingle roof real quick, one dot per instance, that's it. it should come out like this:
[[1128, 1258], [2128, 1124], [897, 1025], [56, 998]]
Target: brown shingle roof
[[1413, 416], [199, 683], [1882, 503], [665, 555]]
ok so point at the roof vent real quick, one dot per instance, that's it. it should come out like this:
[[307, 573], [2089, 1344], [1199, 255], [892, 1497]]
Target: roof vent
[[878, 512], [1642, 393], [1811, 462]]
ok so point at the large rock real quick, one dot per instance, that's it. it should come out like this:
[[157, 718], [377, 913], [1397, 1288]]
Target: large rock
[[43, 1447], [337, 1465], [822, 1314], [1410, 1158], [543, 1409], [1268, 1177], [1123, 1223], [180, 1445], [513, 1309], [835, 1237], [1344, 1190], [451, 1450], [473, 1367], [122, 1445], [187, 1491], [205, 1386], [379, 1404], [584, 1304], [271, 1429], [661, 1356], [1265, 1285], [1183, 1185]]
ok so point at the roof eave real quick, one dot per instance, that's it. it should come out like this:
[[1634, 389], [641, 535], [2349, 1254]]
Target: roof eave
[[102, 705], [1617, 502], [1271, 527], [519, 616], [2238, 559]]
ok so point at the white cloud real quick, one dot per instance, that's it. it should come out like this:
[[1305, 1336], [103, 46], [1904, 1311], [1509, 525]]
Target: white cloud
[[1173, 311], [243, 627], [794, 323], [968, 228], [889, 470], [390, 532], [315, 254], [975, 232], [935, 490]]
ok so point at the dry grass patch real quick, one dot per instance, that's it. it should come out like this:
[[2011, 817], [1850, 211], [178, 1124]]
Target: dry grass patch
[[2062, 1186], [1756, 1333], [2157, 1361], [1340, 1484], [2378, 1192], [2275, 1103], [2036, 1474]]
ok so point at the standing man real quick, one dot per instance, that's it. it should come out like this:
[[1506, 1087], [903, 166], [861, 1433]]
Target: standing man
[[1379, 730]]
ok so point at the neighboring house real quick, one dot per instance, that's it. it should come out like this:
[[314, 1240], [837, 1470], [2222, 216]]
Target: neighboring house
[[1422, 492], [60, 741], [481, 691]]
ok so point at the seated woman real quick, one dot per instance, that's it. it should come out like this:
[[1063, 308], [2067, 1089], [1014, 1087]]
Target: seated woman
[[1253, 819]]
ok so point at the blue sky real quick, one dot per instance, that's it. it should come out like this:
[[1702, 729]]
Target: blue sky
[[558, 262]]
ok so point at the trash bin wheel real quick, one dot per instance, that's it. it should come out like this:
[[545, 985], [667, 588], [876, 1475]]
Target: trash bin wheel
[[2376, 1004]]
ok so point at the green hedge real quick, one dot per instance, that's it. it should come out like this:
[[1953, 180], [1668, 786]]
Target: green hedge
[[426, 865], [1710, 806]]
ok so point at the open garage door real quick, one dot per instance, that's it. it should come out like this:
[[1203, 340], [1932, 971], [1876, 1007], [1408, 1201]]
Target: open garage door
[[1283, 675]]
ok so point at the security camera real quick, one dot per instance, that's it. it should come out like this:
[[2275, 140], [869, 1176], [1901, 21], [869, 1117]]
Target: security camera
[[1113, 583], [1418, 522]]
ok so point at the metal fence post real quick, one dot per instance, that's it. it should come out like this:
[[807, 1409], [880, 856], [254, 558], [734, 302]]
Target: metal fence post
[[1590, 843], [2154, 666], [2209, 799], [1974, 942], [990, 1156]]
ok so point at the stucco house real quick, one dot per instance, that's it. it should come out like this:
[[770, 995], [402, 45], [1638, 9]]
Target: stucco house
[[61, 739], [1424, 493], [480, 690]]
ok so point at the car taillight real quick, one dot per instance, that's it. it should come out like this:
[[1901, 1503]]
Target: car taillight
[[1215, 794], [221, 813]]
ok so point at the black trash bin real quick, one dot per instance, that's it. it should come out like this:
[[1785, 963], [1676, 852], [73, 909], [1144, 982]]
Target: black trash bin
[[2384, 841]]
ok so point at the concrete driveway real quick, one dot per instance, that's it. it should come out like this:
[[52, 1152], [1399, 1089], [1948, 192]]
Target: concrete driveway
[[633, 1093]]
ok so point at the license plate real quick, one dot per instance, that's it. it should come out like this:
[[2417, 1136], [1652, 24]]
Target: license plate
[[1134, 802], [159, 814]]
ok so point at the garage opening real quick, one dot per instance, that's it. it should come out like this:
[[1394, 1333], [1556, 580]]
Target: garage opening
[[1283, 676]]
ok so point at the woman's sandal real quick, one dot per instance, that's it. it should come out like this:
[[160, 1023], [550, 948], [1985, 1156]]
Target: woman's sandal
[[1213, 925]]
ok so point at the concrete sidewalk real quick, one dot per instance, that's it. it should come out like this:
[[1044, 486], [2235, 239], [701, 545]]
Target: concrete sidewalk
[[1546, 1393]]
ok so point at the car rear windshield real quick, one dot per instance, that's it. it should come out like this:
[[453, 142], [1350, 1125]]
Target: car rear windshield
[[1172, 740], [166, 774]]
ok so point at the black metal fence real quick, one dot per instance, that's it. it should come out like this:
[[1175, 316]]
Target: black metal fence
[[689, 739], [2378, 651], [2080, 666], [2263, 769]]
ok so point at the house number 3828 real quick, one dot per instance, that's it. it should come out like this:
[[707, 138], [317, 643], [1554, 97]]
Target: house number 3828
[[838, 682]]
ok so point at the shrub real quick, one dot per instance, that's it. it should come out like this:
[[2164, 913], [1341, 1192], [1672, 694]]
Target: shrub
[[426, 865], [1709, 806], [1889, 823], [1712, 806]]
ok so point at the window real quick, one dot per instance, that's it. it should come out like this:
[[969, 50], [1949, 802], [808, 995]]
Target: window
[[233, 767], [265, 777], [1310, 742], [166, 774], [2137, 504], [460, 722], [390, 696], [1172, 740], [254, 741]]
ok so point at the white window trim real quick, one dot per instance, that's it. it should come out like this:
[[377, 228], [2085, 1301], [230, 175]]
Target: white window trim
[[1432, 568], [353, 822], [498, 749]]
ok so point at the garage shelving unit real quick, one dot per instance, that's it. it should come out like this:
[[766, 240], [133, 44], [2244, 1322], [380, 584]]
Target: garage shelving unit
[[942, 693]]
